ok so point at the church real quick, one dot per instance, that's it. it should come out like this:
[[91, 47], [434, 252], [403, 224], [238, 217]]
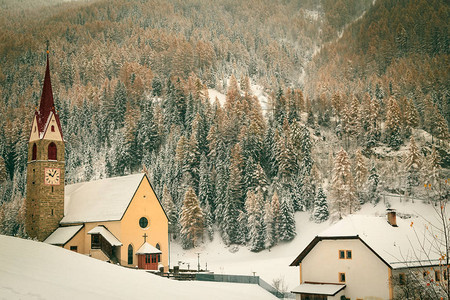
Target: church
[[119, 220]]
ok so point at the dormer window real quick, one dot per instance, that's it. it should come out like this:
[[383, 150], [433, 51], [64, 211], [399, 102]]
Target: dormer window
[[52, 151], [34, 152], [52, 128]]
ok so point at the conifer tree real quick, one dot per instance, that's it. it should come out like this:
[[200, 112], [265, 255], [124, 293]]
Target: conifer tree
[[320, 211], [393, 126], [413, 165], [254, 205], [361, 174], [192, 220], [431, 170], [208, 221], [373, 185], [171, 212], [205, 189], [343, 198], [269, 224], [286, 221]]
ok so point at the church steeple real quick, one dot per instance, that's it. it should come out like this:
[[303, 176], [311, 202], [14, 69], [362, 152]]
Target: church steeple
[[47, 105], [45, 167]]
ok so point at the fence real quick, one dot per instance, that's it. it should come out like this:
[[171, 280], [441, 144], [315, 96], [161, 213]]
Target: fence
[[240, 279]]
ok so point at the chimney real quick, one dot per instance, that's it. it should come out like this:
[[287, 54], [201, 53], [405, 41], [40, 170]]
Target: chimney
[[391, 217]]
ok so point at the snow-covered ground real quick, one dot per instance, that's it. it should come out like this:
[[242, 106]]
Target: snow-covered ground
[[274, 264], [33, 270]]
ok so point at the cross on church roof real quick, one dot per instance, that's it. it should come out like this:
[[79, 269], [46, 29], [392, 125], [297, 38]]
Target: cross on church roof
[[145, 237]]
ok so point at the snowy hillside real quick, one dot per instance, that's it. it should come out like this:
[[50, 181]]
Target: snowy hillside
[[32, 270], [274, 263]]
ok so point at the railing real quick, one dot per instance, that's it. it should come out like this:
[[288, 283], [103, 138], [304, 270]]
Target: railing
[[240, 279]]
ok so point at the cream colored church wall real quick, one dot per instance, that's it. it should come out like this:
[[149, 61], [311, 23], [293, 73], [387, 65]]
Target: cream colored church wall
[[77, 240], [144, 204]]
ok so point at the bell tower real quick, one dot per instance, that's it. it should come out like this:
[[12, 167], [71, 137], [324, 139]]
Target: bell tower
[[45, 167]]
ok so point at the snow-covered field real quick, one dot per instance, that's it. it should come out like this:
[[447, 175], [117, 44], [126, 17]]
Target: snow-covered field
[[274, 263], [33, 270]]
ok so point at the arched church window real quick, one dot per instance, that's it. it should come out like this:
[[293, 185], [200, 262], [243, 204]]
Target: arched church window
[[130, 254], [159, 255], [52, 151], [34, 152], [53, 128]]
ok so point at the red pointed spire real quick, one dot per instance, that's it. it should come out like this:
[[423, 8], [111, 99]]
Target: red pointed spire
[[47, 104]]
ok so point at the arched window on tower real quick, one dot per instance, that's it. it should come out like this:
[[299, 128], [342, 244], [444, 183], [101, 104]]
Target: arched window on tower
[[34, 152], [52, 151], [53, 128], [130, 254]]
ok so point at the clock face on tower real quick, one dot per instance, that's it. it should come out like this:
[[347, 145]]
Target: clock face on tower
[[52, 175]]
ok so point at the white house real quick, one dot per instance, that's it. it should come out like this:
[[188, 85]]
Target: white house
[[369, 257]]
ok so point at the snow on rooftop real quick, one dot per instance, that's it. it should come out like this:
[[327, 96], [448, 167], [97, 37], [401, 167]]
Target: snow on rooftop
[[112, 240], [146, 248], [62, 235], [318, 289], [33, 270], [399, 246], [100, 200]]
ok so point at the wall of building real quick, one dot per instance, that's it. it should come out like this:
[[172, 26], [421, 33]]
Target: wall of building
[[365, 274], [78, 240], [144, 204]]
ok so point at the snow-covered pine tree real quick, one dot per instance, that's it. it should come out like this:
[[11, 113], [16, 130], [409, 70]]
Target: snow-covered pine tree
[[343, 198], [361, 174], [192, 220], [171, 211], [373, 194], [286, 220], [269, 224], [208, 221], [413, 166], [393, 125], [254, 205], [205, 188], [320, 211]]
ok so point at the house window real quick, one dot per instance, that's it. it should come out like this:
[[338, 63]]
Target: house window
[[130, 254], [53, 128], [341, 277], [95, 241], [341, 254], [402, 279], [445, 275], [143, 222], [52, 151], [425, 273], [52, 211], [154, 258], [74, 248], [34, 152], [348, 254], [437, 275], [147, 258]]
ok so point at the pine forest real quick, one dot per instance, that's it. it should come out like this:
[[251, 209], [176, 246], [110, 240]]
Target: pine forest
[[327, 105]]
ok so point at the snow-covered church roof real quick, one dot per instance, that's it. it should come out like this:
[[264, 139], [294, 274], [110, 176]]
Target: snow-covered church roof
[[146, 248], [399, 247], [100, 200], [62, 235]]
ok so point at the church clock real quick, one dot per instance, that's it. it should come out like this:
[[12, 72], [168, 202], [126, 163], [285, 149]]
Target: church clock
[[52, 176]]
